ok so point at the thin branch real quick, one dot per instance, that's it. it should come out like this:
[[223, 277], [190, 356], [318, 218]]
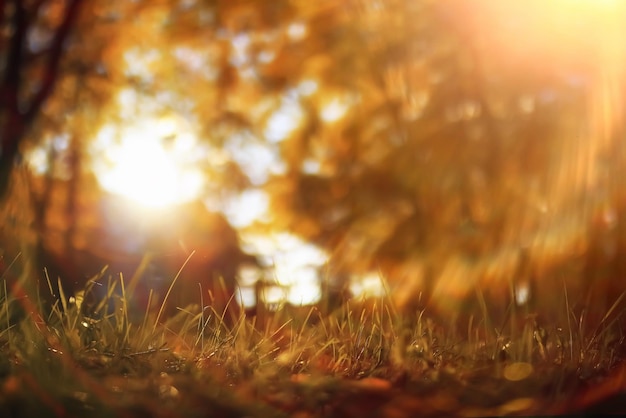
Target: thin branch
[[13, 124], [15, 118], [52, 67], [2, 10], [10, 85]]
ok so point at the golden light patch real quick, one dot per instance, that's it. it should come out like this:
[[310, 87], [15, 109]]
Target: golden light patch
[[152, 163]]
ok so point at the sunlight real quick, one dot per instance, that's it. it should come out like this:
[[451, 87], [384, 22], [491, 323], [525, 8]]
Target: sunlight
[[307, 87], [557, 33], [522, 294], [367, 285], [152, 162], [284, 120], [297, 31], [296, 265], [335, 109], [247, 207]]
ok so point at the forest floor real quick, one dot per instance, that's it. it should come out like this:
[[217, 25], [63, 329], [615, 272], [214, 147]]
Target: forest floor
[[362, 360]]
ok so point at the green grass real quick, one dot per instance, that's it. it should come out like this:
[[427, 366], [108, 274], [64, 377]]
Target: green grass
[[364, 358]]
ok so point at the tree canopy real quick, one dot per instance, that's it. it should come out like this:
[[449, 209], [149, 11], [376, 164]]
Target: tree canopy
[[444, 144]]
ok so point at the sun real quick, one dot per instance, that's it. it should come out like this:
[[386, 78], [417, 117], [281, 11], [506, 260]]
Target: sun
[[555, 33], [154, 162]]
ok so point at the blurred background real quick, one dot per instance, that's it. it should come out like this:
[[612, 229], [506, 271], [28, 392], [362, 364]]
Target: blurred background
[[307, 152]]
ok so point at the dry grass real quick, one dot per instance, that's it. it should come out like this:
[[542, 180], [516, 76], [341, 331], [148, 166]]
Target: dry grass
[[362, 359]]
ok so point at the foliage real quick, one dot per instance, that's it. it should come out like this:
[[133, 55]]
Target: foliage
[[400, 138]]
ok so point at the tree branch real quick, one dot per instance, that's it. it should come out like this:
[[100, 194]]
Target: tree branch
[[14, 60], [17, 118], [2, 10], [12, 128], [52, 68]]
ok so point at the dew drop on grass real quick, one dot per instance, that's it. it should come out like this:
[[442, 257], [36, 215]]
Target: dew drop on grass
[[517, 371], [517, 405], [168, 391]]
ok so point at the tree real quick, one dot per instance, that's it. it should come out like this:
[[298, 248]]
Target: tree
[[55, 206], [447, 153], [33, 50], [452, 163]]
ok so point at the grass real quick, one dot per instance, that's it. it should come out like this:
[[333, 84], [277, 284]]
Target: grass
[[364, 359]]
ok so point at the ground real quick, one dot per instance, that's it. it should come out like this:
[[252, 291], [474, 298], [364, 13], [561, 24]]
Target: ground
[[361, 360]]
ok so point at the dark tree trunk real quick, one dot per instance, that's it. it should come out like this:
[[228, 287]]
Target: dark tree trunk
[[16, 113]]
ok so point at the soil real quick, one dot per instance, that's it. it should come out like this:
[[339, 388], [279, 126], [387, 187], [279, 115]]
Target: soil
[[202, 389]]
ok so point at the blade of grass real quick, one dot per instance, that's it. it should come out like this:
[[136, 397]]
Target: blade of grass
[[569, 323], [169, 290], [134, 280], [606, 316]]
